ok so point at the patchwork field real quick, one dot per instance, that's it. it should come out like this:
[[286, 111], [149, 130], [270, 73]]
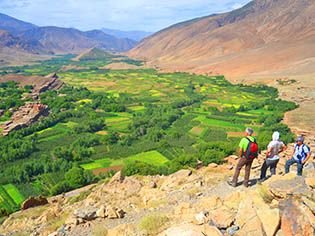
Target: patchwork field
[[152, 157], [10, 197]]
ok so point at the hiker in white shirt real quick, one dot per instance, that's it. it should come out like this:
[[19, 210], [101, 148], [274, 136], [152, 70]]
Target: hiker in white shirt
[[272, 156]]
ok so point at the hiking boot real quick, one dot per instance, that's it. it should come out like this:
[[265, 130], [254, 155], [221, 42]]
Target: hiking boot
[[231, 183], [261, 180]]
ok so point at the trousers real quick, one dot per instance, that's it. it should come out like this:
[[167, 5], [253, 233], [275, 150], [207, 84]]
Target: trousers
[[243, 162]]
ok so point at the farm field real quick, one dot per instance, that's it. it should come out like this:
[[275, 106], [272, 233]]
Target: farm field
[[152, 157], [10, 198], [140, 120]]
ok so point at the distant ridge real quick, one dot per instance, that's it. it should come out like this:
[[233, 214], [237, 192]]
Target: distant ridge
[[263, 37], [134, 35], [14, 26], [51, 39]]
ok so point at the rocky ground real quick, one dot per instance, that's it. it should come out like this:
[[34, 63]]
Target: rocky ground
[[189, 202]]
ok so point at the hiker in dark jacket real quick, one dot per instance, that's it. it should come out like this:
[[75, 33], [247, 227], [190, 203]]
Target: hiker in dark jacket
[[301, 154], [244, 160], [272, 156]]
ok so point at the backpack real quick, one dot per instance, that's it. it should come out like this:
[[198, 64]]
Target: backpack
[[303, 152], [252, 149]]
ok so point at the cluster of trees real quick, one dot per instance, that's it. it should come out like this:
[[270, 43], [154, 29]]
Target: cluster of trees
[[26, 171], [76, 177], [154, 121], [80, 150], [11, 95], [12, 149]]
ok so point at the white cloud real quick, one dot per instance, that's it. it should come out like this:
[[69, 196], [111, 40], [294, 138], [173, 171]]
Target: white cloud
[[150, 15]]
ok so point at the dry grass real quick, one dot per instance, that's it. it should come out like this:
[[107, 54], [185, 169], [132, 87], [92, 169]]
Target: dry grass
[[100, 230], [265, 194], [153, 224], [58, 222], [79, 197]]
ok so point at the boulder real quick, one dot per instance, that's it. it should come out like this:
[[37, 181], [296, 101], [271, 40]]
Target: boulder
[[230, 167], [178, 179], [153, 184], [222, 217], [209, 203], [101, 212], [117, 178], [287, 185], [293, 219], [34, 202], [86, 213], [114, 213], [310, 203], [248, 220], [270, 218], [202, 218], [213, 165], [73, 221], [309, 170], [120, 213], [111, 213], [233, 200], [310, 181], [232, 230], [191, 230]]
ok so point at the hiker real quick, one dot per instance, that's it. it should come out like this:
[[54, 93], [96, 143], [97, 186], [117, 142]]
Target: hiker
[[272, 156], [300, 156], [248, 152]]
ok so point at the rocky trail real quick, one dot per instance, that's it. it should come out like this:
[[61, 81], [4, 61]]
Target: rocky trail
[[188, 202]]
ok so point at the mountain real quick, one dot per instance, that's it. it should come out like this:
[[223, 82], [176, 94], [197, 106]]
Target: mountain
[[134, 35], [68, 40], [111, 42], [94, 54], [51, 39], [13, 25], [263, 37], [7, 40]]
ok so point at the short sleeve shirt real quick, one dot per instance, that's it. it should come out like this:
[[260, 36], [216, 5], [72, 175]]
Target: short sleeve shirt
[[244, 142], [275, 146], [299, 150]]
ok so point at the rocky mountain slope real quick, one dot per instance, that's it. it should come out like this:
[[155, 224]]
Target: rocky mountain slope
[[263, 37], [29, 38], [7, 40], [63, 40], [13, 25], [189, 202]]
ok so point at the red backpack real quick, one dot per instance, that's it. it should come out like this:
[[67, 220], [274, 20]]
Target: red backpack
[[252, 149]]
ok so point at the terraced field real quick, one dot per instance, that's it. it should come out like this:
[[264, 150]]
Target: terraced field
[[10, 197]]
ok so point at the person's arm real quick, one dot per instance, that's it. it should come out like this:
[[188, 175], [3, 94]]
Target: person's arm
[[293, 152], [268, 152], [241, 152], [307, 157], [241, 147], [283, 148]]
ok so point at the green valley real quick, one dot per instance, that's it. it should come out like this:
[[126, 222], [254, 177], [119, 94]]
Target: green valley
[[138, 120]]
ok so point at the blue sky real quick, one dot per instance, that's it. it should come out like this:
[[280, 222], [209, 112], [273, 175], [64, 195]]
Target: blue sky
[[147, 15]]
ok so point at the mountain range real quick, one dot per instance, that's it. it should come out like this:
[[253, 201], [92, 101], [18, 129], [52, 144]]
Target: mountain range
[[134, 35], [263, 37], [55, 40]]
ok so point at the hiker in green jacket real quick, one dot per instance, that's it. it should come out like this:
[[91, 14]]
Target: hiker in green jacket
[[248, 151]]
